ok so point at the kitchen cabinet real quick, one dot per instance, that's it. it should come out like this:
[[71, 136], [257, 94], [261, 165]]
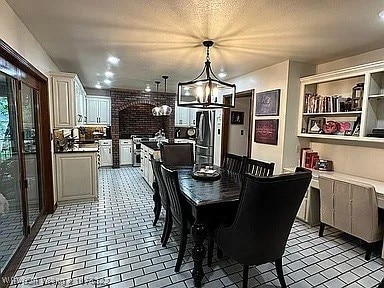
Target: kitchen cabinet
[[125, 149], [68, 97], [185, 117], [98, 110], [105, 150], [76, 176], [146, 165], [344, 104]]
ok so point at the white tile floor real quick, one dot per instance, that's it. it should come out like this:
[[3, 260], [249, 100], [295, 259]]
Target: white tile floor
[[112, 243]]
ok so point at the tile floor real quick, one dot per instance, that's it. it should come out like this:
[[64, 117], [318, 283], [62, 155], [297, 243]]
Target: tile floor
[[112, 243]]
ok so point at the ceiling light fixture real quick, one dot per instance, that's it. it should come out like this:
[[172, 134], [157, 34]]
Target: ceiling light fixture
[[109, 74], [206, 92], [113, 60], [163, 110], [381, 15], [107, 81], [98, 86], [222, 73], [147, 88]]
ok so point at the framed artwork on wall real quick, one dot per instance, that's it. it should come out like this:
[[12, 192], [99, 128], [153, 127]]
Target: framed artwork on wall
[[266, 131], [267, 103], [237, 117]]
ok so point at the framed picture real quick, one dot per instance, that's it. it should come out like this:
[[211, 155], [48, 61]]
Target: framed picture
[[267, 103], [237, 117], [315, 125], [266, 131]]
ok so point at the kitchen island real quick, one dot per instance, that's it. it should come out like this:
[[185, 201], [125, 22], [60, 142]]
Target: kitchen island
[[76, 174], [148, 150]]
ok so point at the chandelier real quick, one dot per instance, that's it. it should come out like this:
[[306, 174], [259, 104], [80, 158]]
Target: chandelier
[[206, 91], [162, 110]]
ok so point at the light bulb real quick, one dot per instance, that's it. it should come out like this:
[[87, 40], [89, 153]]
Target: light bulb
[[109, 74], [199, 94], [107, 81], [98, 86], [113, 60], [147, 88]]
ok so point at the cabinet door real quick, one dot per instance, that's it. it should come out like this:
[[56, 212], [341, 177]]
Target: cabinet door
[[76, 176], [105, 111], [125, 155], [192, 116], [79, 95], [182, 116], [63, 93], [92, 111], [105, 156]]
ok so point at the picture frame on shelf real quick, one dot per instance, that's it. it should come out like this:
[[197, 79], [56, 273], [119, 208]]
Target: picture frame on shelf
[[315, 125], [268, 103], [237, 118], [348, 132], [266, 131]]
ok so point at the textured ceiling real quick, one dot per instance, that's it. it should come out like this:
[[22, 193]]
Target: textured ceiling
[[163, 37]]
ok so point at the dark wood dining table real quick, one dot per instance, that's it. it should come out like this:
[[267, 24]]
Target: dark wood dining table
[[210, 201]]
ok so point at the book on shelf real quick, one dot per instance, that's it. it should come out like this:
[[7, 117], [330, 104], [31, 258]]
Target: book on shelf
[[314, 103], [310, 158], [303, 153]]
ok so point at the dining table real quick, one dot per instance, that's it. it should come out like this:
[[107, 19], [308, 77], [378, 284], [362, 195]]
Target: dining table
[[211, 201]]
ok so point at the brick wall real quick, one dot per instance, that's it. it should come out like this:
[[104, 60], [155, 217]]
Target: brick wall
[[138, 104]]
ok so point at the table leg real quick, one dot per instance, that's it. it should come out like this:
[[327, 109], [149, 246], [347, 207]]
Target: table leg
[[199, 234]]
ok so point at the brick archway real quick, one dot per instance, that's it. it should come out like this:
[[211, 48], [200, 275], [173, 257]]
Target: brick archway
[[138, 102]]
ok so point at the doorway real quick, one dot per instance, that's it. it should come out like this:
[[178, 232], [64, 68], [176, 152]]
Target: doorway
[[237, 126]]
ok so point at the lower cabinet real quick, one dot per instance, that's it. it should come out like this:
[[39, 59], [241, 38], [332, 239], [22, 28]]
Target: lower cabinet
[[125, 151], [105, 150], [146, 165], [309, 210], [76, 176]]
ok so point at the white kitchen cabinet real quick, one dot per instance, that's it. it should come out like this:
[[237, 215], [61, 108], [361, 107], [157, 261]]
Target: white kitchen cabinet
[[98, 110], [185, 117], [192, 116], [105, 150], [125, 149], [76, 176], [67, 100], [146, 165]]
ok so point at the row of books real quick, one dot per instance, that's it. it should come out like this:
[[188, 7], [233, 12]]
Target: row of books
[[308, 158], [325, 104]]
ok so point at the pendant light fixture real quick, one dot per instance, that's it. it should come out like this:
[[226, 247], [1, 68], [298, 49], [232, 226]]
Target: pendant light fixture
[[206, 91], [163, 110]]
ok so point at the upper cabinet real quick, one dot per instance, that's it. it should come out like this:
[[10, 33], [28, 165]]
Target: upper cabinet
[[185, 117], [98, 110], [68, 98], [347, 104]]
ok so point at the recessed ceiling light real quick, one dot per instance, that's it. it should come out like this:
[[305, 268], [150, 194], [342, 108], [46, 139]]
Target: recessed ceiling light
[[222, 73], [113, 60], [147, 88], [98, 86], [109, 74], [107, 81], [381, 14]]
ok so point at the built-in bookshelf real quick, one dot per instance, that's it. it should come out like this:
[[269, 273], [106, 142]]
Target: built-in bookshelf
[[346, 104]]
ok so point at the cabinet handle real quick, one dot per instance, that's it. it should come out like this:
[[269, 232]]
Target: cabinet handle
[[109, 150]]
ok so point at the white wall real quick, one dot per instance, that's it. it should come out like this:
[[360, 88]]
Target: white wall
[[237, 143], [16, 34]]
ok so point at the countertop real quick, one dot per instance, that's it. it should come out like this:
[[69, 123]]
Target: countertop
[[78, 150], [151, 145]]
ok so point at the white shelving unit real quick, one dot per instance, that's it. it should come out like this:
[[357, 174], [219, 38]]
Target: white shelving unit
[[323, 88]]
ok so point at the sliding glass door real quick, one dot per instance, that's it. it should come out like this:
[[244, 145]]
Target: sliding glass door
[[30, 151], [11, 211]]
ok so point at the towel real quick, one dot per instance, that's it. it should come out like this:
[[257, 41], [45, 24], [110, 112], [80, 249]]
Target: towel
[[4, 206]]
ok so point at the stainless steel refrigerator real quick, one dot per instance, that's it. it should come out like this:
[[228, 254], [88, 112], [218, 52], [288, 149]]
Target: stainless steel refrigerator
[[205, 125]]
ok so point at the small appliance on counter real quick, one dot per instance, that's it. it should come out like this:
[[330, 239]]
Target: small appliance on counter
[[324, 165]]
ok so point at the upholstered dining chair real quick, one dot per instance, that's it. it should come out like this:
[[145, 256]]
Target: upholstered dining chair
[[258, 168], [161, 191], [177, 154], [234, 164], [181, 211], [267, 210]]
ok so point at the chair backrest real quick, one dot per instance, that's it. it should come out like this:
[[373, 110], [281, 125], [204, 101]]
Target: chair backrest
[[234, 163], [156, 167], [177, 154], [267, 210], [258, 168], [350, 206], [177, 206]]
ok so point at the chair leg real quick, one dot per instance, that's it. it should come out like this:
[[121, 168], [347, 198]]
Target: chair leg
[[157, 208], [280, 274], [245, 276], [183, 245], [368, 251], [165, 226], [321, 230], [168, 229], [219, 253], [210, 252]]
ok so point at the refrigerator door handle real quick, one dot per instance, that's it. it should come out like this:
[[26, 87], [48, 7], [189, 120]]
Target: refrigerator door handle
[[202, 147]]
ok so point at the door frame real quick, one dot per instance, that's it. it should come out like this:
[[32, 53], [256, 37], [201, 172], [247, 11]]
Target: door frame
[[226, 120]]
